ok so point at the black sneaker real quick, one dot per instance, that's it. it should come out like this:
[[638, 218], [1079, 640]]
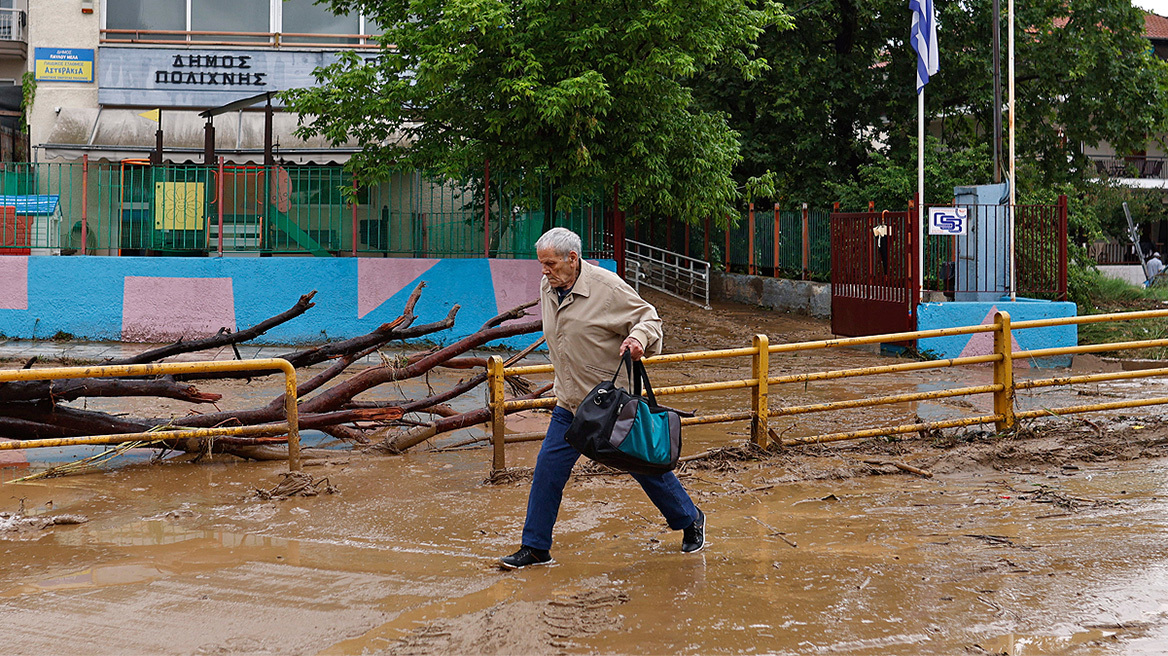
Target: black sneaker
[[693, 538], [526, 556]]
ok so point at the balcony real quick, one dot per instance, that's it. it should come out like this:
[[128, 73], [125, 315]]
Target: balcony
[[1133, 171], [13, 33]]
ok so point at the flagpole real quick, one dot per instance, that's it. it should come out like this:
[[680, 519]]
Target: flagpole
[[1013, 170], [920, 191]]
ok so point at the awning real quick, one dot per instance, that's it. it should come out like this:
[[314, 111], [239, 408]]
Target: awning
[[114, 135]]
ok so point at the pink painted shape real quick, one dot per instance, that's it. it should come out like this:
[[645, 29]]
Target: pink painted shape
[[13, 282], [12, 459], [983, 343], [165, 309], [516, 282], [378, 279]]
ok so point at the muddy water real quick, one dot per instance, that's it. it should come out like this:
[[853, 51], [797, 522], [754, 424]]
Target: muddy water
[[182, 558], [176, 559]]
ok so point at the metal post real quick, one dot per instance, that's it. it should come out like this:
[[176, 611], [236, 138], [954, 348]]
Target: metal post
[[806, 245], [916, 271], [618, 231], [487, 208], [1004, 372], [269, 156], [354, 204], [778, 242], [759, 370], [706, 240], [219, 202], [291, 414], [997, 66], [1013, 171], [750, 240], [84, 202], [1062, 240], [209, 143], [495, 399], [727, 253], [156, 156]]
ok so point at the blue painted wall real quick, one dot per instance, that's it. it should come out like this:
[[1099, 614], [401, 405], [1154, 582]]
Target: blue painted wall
[[86, 296], [953, 314]]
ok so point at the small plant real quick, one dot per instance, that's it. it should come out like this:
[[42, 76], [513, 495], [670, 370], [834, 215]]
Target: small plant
[[62, 336]]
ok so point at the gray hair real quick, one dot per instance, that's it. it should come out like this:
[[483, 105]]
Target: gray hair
[[561, 240]]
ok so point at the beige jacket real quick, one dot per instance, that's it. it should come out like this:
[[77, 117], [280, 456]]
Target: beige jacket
[[585, 331]]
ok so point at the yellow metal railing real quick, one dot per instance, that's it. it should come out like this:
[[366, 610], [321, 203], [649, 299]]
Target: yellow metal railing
[[290, 425], [1003, 388]]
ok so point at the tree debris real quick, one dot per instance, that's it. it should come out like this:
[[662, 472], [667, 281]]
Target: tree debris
[[37, 409]]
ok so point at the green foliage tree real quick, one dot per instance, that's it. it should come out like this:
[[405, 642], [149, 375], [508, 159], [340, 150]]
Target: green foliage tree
[[841, 89], [580, 95]]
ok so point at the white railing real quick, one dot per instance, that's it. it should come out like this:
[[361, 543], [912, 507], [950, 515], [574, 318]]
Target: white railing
[[13, 25], [683, 277]]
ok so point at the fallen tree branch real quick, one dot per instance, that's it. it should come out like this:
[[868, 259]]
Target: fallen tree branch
[[222, 339]]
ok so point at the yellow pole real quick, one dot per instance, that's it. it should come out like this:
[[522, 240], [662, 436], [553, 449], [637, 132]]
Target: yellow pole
[[498, 418], [292, 415], [148, 436], [1004, 372], [759, 370]]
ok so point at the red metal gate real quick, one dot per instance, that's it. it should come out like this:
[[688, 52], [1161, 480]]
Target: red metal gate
[[873, 281]]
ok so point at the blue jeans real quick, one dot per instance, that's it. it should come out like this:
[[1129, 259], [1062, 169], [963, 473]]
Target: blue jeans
[[553, 467]]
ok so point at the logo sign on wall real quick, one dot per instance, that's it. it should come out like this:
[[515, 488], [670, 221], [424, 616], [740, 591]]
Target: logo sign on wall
[[948, 220], [64, 64]]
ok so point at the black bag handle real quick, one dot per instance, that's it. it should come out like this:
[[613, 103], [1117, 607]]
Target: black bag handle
[[639, 375], [627, 363]]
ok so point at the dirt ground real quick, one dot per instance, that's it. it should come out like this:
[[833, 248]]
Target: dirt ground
[[1047, 541]]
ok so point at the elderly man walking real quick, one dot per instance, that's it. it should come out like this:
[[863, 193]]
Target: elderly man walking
[[590, 318]]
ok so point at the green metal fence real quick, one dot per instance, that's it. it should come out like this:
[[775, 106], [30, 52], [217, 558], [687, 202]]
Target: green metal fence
[[133, 208]]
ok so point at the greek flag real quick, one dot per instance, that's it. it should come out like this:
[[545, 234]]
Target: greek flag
[[924, 40]]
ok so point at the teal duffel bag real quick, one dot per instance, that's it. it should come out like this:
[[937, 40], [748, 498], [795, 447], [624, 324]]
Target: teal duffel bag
[[627, 431]]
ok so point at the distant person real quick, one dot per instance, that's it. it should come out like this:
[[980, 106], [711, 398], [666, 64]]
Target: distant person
[[1155, 265], [590, 318]]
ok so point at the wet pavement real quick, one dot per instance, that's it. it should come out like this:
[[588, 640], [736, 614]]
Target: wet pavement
[[178, 559], [985, 558]]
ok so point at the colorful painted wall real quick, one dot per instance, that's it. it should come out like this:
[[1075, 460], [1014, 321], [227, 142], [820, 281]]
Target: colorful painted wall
[[951, 315], [159, 299]]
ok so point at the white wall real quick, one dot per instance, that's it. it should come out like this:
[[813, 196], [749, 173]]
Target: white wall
[[60, 24]]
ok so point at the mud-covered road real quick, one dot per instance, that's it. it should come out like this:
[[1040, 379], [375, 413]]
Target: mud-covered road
[[1048, 542]]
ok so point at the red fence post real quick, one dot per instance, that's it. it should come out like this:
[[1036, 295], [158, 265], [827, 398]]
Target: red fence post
[[618, 230], [219, 202], [727, 254], [914, 278], [750, 242], [706, 239], [84, 201], [1062, 240], [778, 234], [806, 245], [487, 208]]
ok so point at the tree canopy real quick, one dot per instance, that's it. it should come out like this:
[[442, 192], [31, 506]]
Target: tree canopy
[[840, 97], [588, 93]]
